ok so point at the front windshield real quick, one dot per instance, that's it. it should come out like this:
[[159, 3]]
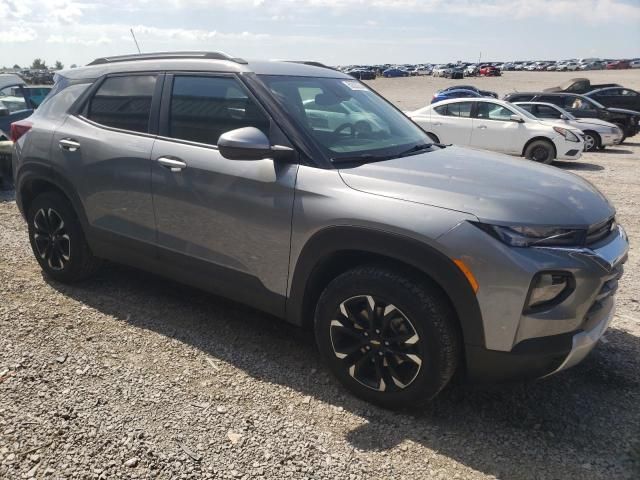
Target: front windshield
[[344, 117]]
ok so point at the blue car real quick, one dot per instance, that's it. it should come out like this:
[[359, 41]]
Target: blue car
[[395, 72], [457, 93]]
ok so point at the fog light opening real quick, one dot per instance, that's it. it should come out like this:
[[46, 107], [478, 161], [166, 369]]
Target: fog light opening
[[549, 289]]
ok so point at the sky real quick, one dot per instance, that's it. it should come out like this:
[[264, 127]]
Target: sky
[[336, 32]]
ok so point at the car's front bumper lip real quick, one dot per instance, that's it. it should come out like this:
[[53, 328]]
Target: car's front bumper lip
[[582, 343]]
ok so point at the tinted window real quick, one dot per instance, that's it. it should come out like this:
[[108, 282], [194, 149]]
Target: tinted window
[[629, 93], [462, 109], [547, 112], [528, 108], [442, 109], [577, 103], [493, 111], [203, 108], [556, 100], [124, 102]]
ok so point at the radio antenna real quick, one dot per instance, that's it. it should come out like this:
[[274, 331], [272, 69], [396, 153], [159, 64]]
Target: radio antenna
[[134, 39]]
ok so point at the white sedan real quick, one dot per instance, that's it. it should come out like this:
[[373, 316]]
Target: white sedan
[[500, 126], [598, 134]]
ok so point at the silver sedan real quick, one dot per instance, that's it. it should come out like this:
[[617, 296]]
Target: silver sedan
[[598, 134]]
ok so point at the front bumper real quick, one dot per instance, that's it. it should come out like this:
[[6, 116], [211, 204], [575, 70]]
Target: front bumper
[[525, 343]]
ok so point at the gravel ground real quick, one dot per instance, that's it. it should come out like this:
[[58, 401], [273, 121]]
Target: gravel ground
[[132, 376]]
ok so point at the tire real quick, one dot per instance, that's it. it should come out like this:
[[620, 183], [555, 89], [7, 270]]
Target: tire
[[601, 147], [541, 151], [69, 258], [591, 141], [420, 329], [623, 128]]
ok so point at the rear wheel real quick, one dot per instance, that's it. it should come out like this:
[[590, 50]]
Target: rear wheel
[[591, 141], [541, 151], [389, 337], [57, 239]]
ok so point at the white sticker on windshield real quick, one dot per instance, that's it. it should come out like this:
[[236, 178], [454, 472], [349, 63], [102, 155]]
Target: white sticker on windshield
[[353, 85]]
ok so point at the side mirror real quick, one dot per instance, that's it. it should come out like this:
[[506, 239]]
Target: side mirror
[[516, 118], [250, 143], [563, 116]]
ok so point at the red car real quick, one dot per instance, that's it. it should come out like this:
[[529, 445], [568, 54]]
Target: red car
[[489, 71], [618, 65]]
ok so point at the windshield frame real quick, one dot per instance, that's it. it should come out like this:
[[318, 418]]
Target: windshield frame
[[327, 155]]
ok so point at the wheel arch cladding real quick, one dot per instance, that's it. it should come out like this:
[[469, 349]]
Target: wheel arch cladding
[[545, 139], [35, 179], [334, 250]]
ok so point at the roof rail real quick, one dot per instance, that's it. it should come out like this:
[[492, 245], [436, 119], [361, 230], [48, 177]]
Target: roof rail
[[311, 63], [168, 56]]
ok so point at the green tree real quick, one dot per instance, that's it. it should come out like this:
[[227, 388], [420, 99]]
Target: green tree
[[38, 64], [59, 65], [73, 65], [16, 67]]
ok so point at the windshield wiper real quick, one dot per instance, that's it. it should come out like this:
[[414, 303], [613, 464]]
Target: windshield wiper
[[363, 158], [420, 147]]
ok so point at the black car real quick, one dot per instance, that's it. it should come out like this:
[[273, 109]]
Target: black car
[[454, 73], [618, 97], [484, 93], [582, 106], [362, 74]]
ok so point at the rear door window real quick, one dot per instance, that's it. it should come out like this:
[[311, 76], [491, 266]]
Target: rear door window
[[124, 102], [493, 111], [203, 108], [462, 109], [544, 111]]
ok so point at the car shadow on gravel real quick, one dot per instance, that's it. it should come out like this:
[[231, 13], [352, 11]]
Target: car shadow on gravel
[[7, 195], [578, 166], [578, 424], [615, 151]]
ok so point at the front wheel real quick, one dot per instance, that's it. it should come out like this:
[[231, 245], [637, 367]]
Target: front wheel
[[591, 141], [389, 337], [541, 151], [57, 239]]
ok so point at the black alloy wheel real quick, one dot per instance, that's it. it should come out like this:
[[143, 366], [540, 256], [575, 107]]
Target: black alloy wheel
[[51, 239], [377, 344]]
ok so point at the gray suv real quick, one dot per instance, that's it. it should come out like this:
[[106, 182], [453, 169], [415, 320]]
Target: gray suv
[[298, 190]]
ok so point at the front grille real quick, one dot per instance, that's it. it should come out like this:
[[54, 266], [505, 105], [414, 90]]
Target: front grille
[[599, 231], [608, 289]]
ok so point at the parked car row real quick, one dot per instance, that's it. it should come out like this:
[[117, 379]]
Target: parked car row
[[541, 126]]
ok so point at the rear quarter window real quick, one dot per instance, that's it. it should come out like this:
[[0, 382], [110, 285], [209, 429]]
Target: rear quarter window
[[58, 104]]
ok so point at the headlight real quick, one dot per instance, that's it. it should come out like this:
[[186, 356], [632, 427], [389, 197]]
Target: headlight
[[568, 135], [533, 236]]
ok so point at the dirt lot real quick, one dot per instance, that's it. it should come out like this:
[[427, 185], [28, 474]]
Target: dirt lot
[[131, 376]]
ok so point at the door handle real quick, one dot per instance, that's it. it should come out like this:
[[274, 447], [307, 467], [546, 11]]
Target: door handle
[[173, 164], [482, 126], [69, 144]]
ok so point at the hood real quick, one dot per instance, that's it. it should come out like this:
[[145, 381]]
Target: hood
[[560, 123], [624, 110], [495, 188], [592, 121]]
